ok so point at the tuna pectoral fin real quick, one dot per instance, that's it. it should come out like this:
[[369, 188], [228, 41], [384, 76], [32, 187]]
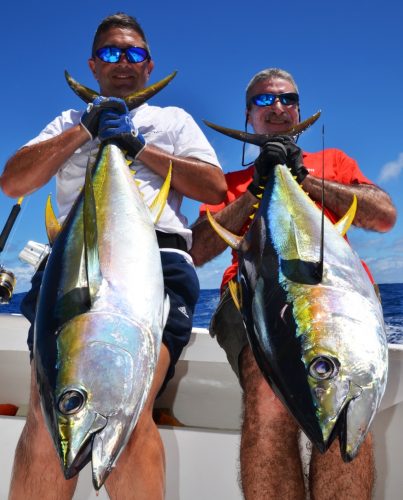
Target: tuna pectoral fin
[[300, 271], [52, 224], [157, 206], [94, 276], [343, 225], [230, 239]]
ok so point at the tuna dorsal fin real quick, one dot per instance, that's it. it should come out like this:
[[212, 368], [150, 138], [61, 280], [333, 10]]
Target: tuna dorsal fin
[[158, 204], [343, 225], [230, 239], [52, 224], [94, 275], [235, 293]]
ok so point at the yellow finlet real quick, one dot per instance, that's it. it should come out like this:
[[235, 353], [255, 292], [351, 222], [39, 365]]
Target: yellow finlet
[[52, 224], [158, 204], [231, 239], [343, 225], [235, 293]]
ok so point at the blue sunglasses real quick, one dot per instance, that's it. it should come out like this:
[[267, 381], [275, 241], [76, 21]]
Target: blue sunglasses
[[287, 99], [112, 54]]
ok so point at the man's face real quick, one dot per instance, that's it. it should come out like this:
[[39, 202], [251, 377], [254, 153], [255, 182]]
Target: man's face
[[278, 117], [122, 78]]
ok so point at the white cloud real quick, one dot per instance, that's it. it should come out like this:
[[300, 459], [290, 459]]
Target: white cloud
[[391, 169]]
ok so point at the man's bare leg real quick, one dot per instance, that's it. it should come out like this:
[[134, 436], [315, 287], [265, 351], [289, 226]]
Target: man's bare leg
[[140, 470], [37, 472], [270, 461], [333, 479]]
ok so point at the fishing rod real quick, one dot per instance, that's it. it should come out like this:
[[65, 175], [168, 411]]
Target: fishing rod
[[7, 278]]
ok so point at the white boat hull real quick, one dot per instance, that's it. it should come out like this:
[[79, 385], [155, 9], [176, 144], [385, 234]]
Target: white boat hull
[[202, 457]]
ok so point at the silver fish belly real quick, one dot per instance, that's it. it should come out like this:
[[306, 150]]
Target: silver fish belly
[[101, 313]]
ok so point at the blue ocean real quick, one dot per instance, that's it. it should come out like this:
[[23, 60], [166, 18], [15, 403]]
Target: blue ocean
[[392, 303]]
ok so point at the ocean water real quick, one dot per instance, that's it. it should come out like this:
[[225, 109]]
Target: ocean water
[[392, 303]]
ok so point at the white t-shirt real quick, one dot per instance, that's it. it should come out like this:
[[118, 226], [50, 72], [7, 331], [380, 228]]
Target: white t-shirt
[[170, 129]]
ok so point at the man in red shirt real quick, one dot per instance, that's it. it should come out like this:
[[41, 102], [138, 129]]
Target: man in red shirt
[[270, 460]]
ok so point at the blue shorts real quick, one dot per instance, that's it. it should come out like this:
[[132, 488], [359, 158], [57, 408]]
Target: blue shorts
[[182, 286]]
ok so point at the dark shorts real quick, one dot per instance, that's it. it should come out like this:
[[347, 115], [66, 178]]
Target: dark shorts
[[228, 327], [182, 286]]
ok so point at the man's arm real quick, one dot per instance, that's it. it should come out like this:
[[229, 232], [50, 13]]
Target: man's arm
[[206, 242], [33, 166], [193, 178], [375, 209]]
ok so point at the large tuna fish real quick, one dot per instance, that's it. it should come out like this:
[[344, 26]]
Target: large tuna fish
[[314, 321], [101, 312]]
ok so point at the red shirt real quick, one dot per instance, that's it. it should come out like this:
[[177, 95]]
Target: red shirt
[[338, 167]]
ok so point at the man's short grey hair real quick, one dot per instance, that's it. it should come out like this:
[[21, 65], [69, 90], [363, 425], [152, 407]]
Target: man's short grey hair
[[268, 74]]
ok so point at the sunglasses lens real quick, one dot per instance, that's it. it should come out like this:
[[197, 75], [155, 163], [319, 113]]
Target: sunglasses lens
[[289, 98], [136, 54], [109, 54], [263, 99]]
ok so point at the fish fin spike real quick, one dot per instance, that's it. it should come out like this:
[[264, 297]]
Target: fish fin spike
[[159, 202], [53, 226], [343, 225], [93, 270], [84, 93], [231, 239], [235, 293]]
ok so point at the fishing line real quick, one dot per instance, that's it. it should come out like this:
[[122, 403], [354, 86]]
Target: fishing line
[[322, 230]]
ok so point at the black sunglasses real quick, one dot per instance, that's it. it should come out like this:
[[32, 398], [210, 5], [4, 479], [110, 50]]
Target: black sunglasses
[[112, 54], [287, 99]]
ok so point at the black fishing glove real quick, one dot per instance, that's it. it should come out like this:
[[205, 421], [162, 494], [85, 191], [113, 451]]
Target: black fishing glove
[[280, 150], [116, 124], [90, 118], [272, 154], [294, 158]]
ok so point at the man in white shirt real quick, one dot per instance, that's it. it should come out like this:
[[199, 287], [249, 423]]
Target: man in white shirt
[[153, 137]]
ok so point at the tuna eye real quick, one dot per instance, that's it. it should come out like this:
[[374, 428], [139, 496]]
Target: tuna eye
[[71, 402], [323, 368]]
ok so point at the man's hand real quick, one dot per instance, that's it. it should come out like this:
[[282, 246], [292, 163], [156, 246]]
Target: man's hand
[[90, 118], [115, 123], [280, 150]]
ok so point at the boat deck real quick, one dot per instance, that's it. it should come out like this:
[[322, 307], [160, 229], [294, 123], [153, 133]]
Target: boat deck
[[202, 456]]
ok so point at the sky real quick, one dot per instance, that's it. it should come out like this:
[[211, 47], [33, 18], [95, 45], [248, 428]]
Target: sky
[[345, 56]]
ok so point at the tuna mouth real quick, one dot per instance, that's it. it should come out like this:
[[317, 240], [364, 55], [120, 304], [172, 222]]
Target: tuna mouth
[[80, 460], [351, 428]]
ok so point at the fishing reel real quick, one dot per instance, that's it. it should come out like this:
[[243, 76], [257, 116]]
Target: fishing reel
[[7, 284]]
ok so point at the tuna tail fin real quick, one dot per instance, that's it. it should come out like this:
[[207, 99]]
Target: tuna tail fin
[[343, 225], [133, 100], [261, 139], [231, 239], [94, 275], [159, 202], [52, 224]]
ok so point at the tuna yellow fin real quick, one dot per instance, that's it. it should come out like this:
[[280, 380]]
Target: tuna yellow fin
[[230, 239], [235, 293], [343, 225], [94, 275], [52, 224], [158, 204]]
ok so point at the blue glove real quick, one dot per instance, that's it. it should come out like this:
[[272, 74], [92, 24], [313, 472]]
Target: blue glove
[[90, 118], [116, 124]]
